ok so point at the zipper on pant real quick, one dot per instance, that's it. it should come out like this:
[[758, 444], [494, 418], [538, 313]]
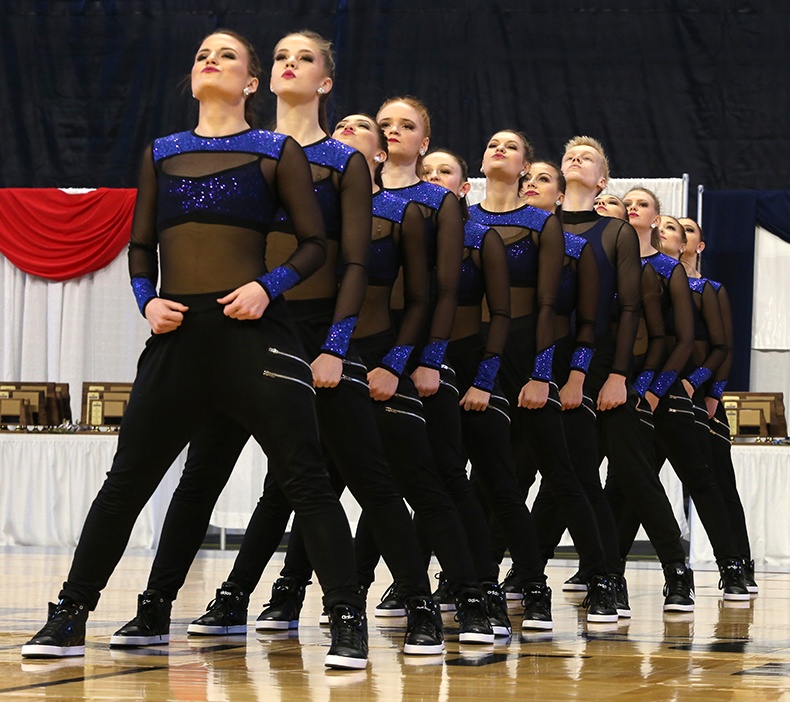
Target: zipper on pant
[[277, 352], [407, 398], [392, 410], [355, 380], [280, 376]]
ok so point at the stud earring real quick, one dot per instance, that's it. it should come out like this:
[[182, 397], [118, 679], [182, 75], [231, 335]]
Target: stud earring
[[558, 202], [377, 158], [699, 251], [653, 226], [246, 92], [522, 173], [271, 89], [422, 152], [320, 91]]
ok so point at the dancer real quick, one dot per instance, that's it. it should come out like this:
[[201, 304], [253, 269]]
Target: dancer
[[707, 403], [608, 205], [659, 382], [222, 338], [621, 430], [535, 247]]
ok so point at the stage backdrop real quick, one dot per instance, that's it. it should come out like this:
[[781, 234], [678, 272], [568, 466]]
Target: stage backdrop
[[670, 86]]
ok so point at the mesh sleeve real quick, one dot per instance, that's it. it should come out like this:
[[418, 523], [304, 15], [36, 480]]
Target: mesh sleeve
[[551, 256], [723, 372], [588, 288], [143, 243], [714, 325], [629, 275], [654, 320]]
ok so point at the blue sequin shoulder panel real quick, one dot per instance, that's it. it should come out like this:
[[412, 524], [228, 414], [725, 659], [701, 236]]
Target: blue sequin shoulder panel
[[238, 195], [522, 254], [661, 263], [384, 260]]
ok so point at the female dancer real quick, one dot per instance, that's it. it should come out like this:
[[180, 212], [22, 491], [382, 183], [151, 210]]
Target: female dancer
[[608, 205], [325, 312], [485, 412], [673, 413], [707, 402], [222, 338], [535, 248], [406, 124]]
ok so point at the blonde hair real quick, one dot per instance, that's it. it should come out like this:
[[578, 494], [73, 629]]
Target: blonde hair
[[594, 144]]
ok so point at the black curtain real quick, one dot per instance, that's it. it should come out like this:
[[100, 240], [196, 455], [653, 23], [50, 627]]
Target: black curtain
[[670, 86], [730, 218]]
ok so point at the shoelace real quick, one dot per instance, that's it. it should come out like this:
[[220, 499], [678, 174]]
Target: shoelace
[[392, 592], [57, 619], [422, 620], [729, 575], [347, 632], [532, 598]]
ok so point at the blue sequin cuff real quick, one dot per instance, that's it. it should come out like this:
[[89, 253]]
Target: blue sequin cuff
[[486, 373], [642, 382], [433, 355], [276, 282], [699, 376], [144, 290], [717, 389], [581, 358], [396, 359], [338, 336], [662, 382], [542, 368]]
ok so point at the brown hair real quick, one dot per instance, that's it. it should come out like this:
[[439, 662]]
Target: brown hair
[[464, 175], [419, 107], [253, 68], [328, 57]]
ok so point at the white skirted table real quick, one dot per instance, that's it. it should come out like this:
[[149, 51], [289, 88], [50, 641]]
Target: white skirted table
[[48, 481]]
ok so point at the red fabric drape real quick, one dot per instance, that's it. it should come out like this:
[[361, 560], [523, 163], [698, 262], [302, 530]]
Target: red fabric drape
[[59, 236]]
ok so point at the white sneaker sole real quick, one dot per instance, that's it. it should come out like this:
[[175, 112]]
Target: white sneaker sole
[[476, 638], [204, 630], [389, 612], [448, 607], [43, 651], [678, 608], [602, 618], [500, 630], [128, 641], [275, 624], [624, 613], [528, 624], [417, 650], [345, 662], [573, 587], [736, 596]]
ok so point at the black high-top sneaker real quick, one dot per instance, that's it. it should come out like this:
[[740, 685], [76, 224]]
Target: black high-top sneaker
[[496, 604], [150, 627], [748, 573], [63, 635], [424, 634], [282, 611], [511, 586], [443, 597], [393, 603], [537, 607], [600, 601], [472, 615], [349, 648], [621, 595], [678, 588], [732, 581], [576, 583], [225, 615]]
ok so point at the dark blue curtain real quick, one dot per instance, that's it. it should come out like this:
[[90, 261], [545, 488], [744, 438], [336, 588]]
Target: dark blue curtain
[[729, 219]]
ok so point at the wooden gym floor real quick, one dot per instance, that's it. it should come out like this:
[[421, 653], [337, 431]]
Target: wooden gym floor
[[721, 652]]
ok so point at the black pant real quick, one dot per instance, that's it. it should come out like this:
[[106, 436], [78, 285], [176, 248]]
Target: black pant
[[677, 440], [403, 431], [254, 372], [540, 432], [351, 443], [486, 437]]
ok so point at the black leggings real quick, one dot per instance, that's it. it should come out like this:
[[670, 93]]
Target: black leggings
[[677, 440], [255, 372], [402, 428]]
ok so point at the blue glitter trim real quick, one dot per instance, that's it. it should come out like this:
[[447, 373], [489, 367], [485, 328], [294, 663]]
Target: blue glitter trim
[[396, 359], [389, 206], [543, 362], [527, 216], [255, 141], [474, 234], [642, 382], [338, 336], [697, 284], [662, 264], [279, 280], [699, 376], [433, 354], [144, 290], [581, 358], [574, 245], [329, 152], [486, 373], [662, 382], [716, 285], [717, 389], [423, 192]]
